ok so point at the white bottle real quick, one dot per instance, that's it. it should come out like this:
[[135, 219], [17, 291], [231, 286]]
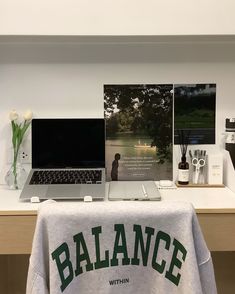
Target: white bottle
[[215, 169]]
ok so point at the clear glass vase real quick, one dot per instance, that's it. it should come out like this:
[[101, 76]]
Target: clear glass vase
[[16, 175]]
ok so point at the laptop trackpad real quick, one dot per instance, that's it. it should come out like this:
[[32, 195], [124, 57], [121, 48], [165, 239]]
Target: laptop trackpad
[[63, 192]]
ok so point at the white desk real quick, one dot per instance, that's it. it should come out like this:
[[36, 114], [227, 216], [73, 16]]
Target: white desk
[[215, 209]]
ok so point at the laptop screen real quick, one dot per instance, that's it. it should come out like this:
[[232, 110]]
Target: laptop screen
[[68, 143]]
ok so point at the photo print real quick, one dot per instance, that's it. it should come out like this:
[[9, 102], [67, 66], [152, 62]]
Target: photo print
[[194, 113], [138, 131]]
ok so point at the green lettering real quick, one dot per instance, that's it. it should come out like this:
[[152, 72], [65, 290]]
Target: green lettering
[[80, 243], [120, 234], [99, 263], [166, 238], [62, 265], [140, 242], [176, 262]]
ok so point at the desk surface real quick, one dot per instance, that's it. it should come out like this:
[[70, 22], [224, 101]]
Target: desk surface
[[215, 209], [204, 200]]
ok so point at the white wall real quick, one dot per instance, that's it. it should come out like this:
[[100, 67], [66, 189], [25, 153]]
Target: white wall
[[65, 77], [122, 17], [74, 86]]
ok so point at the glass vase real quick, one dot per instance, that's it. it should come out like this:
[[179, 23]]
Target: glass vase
[[16, 175]]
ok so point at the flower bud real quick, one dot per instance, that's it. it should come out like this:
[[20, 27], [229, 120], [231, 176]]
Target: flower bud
[[13, 115], [28, 115]]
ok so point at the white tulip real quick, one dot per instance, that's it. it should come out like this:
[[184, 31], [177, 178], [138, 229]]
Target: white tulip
[[28, 115], [13, 115]]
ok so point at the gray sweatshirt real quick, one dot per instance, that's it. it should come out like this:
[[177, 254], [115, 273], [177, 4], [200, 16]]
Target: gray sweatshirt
[[119, 248]]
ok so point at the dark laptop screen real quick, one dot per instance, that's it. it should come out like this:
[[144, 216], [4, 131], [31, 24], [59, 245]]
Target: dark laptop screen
[[65, 143]]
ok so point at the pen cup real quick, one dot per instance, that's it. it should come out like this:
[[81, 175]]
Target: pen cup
[[198, 168], [199, 175]]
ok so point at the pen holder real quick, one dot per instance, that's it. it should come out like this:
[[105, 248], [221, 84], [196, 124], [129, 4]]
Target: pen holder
[[198, 170], [199, 176]]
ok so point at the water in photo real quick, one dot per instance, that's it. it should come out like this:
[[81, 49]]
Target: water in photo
[[138, 131]]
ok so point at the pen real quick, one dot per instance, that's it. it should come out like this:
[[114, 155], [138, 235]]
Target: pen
[[144, 191]]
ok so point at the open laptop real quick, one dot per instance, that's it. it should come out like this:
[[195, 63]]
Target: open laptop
[[68, 159]]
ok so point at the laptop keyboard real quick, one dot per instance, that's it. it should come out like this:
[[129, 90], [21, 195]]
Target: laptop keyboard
[[66, 177]]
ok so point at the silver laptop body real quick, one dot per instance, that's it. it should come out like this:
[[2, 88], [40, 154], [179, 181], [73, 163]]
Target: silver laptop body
[[68, 159], [133, 190]]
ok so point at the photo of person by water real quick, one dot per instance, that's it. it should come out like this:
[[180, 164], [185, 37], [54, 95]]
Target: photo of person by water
[[139, 127], [114, 171]]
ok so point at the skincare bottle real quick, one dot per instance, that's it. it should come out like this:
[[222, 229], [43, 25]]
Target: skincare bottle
[[183, 171]]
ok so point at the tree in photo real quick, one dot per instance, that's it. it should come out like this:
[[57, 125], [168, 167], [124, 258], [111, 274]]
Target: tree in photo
[[141, 109]]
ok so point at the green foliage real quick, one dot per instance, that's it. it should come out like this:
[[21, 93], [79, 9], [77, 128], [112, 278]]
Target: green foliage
[[18, 131], [141, 109]]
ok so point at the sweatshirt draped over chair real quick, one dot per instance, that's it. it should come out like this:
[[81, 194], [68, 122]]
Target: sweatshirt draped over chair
[[119, 248]]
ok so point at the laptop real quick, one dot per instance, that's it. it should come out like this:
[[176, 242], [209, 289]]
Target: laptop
[[133, 190], [68, 159]]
